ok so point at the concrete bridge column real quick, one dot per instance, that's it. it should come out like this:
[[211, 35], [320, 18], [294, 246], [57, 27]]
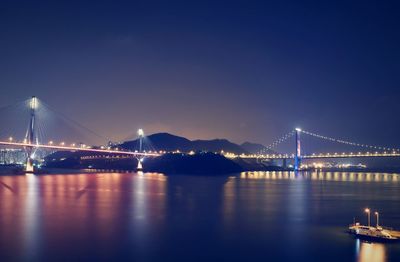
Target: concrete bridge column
[[297, 157]]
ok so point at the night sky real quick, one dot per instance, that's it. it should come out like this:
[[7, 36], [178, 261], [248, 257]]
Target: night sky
[[209, 69]]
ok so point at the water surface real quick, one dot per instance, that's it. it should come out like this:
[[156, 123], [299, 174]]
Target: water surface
[[270, 216]]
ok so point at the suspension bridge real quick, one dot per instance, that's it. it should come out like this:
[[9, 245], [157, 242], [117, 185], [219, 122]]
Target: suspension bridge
[[31, 143], [297, 156]]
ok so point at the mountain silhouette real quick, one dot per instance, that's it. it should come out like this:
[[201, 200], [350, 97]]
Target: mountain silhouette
[[169, 142]]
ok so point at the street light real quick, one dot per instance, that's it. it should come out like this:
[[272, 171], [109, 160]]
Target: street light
[[10, 139], [377, 219], [368, 211]]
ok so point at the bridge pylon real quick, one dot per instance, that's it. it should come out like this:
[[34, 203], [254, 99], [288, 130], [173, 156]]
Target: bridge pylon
[[141, 135], [30, 134], [297, 156]]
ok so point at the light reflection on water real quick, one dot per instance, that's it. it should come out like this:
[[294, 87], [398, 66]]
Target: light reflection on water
[[370, 252], [151, 216], [328, 176], [32, 221]]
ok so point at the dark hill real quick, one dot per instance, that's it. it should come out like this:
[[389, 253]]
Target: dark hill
[[161, 141], [204, 163], [216, 145], [168, 142]]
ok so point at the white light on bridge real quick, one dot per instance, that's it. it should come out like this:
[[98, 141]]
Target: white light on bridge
[[10, 139], [140, 132], [298, 129], [33, 103]]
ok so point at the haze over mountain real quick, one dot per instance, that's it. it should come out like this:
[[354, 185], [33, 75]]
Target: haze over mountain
[[169, 142]]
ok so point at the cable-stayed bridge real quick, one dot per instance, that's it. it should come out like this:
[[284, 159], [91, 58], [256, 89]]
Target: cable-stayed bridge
[[32, 139], [35, 135]]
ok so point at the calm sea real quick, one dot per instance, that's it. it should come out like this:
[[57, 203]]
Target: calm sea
[[254, 216]]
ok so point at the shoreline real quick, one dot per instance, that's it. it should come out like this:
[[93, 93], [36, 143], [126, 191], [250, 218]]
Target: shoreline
[[7, 171]]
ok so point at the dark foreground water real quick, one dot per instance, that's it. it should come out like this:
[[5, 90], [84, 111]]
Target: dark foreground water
[[257, 216]]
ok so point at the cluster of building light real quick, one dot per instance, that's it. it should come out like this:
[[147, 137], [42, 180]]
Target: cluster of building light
[[321, 165]]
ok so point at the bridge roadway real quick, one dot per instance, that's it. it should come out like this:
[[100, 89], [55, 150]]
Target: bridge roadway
[[228, 155], [71, 148], [316, 156]]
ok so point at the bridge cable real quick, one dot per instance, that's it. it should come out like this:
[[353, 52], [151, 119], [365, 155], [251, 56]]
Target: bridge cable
[[348, 142], [277, 142]]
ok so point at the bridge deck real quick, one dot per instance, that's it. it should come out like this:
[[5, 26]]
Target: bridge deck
[[71, 148]]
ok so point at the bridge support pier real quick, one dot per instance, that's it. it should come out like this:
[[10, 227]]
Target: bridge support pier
[[29, 165], [30, 135], [297, 156], [141, 135], [139, 165]]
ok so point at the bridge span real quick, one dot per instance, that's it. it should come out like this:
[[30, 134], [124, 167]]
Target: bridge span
[[298, 156], [74, 148], [31, 143], [315, 156]]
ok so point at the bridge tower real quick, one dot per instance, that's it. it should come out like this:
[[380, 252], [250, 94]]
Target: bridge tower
[[30, 134], [141, 135], [297, 156]]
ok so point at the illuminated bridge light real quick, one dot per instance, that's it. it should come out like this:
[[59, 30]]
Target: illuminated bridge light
[[33, 103]]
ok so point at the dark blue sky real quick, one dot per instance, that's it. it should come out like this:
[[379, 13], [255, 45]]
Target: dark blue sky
[[241, 70]]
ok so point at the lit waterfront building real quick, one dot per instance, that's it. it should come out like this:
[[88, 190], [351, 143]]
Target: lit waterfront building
[[12, 156]]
